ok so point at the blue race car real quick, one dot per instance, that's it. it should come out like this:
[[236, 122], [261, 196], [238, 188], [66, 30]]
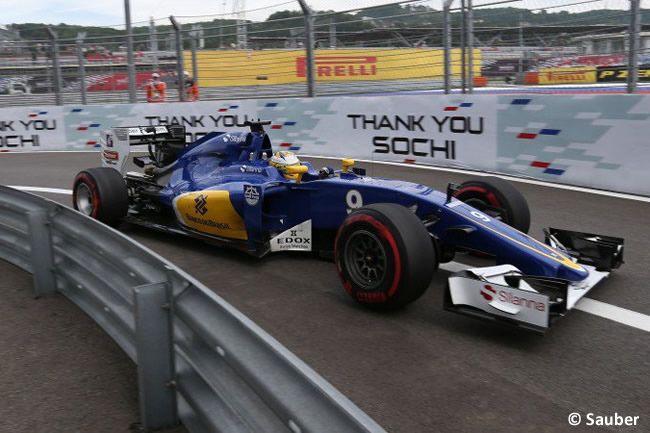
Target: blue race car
[[387, 237]]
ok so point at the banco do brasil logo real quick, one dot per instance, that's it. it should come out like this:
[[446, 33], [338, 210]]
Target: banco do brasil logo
[[201, 201]]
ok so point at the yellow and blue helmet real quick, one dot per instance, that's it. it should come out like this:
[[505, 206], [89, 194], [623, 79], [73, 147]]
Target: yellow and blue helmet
[[283, 159]]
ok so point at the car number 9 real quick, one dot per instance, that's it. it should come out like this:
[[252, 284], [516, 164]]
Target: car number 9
[[353, 200], [480, 216]]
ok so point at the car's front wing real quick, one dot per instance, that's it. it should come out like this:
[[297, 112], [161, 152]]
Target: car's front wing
[[502, 293]]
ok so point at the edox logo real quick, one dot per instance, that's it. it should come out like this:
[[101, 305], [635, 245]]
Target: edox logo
[[201, 201]]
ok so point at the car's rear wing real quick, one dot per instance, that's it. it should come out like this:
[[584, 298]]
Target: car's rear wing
[[116, 142]]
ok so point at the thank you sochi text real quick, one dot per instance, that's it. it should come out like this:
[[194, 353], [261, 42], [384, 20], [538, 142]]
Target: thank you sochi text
[[24, 132], [413, 136]]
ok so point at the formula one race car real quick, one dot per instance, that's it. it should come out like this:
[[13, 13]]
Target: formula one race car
[[387, 237]]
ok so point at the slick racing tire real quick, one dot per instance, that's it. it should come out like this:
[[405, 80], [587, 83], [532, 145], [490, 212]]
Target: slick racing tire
[[101, 193], [384, 256], [497, 198]]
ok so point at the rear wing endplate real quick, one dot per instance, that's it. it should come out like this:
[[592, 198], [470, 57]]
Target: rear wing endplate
[[116, 142]]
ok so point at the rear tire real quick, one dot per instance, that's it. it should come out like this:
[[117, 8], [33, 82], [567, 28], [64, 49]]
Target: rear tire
[[498, 198], [101, 193], [384, 256]]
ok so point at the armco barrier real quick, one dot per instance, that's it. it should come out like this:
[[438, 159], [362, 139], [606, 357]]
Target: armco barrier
[[587, 140], [198, 358]]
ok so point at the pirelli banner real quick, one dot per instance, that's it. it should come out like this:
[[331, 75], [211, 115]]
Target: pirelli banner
[[575, 75], [219, 68], [618, 74], [589, 140]]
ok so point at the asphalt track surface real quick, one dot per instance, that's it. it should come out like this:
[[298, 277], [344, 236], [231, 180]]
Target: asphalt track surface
[[422, 369]]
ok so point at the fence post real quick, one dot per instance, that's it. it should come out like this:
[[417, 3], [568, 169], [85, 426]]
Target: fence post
[[463, 48], [54, 50], [194, 36], [332, 33], [41, 253], [309, 47], [154, 43], [470, 47], [446, 42], [155, 355], [520, 62], [82, 66], [634, 45], [130, 64], [180, 59]]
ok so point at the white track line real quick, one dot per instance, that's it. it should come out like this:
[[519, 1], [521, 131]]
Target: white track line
[[612, 312], [503, 176], [41, 189], [588, 305]]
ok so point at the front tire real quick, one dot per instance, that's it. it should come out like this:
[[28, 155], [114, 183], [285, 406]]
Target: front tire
[[384, 256], [497, 198], [101, 193]]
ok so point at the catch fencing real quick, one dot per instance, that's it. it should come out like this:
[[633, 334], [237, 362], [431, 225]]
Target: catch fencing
[[298, 51], [199, 360]]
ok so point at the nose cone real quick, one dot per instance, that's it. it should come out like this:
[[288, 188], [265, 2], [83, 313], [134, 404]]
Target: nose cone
[[572, 273]]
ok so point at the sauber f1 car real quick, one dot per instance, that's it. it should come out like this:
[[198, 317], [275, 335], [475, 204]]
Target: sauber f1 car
[[387, 237]]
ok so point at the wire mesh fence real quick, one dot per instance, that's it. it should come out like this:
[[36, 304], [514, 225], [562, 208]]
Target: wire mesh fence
[[290, 49]]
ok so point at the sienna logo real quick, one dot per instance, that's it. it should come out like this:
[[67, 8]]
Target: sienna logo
[[509, 298], [201, 201], [487, 296], [339, 66]]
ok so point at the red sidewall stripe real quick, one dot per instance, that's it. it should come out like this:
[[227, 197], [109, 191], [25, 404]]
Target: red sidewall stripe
[[386, 234], [93, 188], [492, 199]]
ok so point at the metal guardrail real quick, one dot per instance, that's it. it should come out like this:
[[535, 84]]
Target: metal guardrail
[[199, 359]]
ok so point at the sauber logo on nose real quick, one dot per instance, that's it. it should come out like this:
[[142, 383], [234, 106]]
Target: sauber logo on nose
[[339, 66], [201, 201]]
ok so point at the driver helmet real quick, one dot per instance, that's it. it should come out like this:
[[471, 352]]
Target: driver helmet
[[283, 159]]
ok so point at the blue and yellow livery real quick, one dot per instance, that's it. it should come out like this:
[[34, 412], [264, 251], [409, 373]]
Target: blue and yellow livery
[[386, 236]]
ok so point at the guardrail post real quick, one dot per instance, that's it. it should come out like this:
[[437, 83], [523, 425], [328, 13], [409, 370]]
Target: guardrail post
[[309, 48], [155, 354], [446, 42], [82, 66], [180, 59], [54, 50], [41, 253]]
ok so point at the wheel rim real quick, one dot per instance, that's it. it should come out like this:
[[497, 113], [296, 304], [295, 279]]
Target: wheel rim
[[84, 199], [365, 259]]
